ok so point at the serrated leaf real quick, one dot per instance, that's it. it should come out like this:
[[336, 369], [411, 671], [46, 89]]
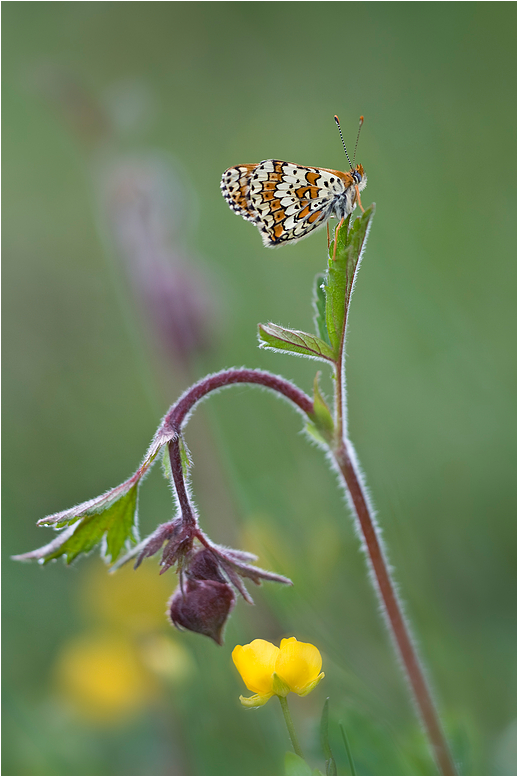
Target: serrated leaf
[[295, 765], [99, 503], [122, 521], [324, 740], [109, 518], [319, 306], [341, 273], [277, 338], [115, 526]]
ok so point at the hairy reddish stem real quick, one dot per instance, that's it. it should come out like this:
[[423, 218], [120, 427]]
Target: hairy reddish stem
[[175, 458], [394, 614], [180, 411]]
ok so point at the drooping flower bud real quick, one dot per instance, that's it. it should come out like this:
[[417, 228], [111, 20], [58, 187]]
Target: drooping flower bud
[[206, 600], [205, 566]]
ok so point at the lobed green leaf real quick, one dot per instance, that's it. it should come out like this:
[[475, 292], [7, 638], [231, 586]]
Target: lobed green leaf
[[110, 518], [115, 526]]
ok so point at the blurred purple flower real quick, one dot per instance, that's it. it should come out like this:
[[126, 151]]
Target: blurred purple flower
[[146, 208]]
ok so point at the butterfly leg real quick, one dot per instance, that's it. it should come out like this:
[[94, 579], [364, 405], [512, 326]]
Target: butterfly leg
[[336, 233], [328, 237], [358, 199]]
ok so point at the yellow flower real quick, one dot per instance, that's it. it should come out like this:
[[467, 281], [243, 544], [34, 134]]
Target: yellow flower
[[268, 670]]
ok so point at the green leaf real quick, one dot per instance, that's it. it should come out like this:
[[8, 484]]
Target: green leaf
[[110, 518], [167, 472], [314, 432], [185, 457], [321, 418], [295, 765], [339, 282], [115, 525], [319, 306], [277, 338], [121, 520], [99, 503], [324, 740], [348, 750]]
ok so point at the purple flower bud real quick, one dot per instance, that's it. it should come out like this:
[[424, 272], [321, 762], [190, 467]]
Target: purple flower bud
[[205, 566], [204, 604]]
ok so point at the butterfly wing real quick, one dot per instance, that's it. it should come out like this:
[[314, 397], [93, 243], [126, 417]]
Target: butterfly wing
[[235, 184], [287, 201]]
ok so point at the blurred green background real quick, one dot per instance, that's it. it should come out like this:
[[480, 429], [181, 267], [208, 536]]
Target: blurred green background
[[126, 277]]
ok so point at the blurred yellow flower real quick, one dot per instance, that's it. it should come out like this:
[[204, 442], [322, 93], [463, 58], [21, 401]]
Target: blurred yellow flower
[[102, 678], [268, 670], [130, 603]]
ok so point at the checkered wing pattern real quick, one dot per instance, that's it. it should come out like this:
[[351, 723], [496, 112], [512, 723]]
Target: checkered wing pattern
[[235, 185], [287, 201]]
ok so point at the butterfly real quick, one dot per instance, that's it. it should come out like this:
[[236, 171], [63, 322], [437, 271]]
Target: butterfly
[[286, 201]]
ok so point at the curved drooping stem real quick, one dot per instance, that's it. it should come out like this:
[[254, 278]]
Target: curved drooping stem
[[180, 411]]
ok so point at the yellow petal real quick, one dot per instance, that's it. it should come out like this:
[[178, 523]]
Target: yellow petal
[[256, 664], [255, 701], [299, 664]]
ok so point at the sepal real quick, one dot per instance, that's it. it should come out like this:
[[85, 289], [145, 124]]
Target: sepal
[[311, 686], [252, 702], [280, 688]]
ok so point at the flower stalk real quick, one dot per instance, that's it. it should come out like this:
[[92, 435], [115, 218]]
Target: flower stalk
[[289, 725]]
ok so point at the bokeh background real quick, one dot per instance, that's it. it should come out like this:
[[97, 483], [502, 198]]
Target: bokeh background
[[126, 277]]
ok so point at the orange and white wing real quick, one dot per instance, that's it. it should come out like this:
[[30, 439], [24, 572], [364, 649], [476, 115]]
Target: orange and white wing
[[287, 201], [235, 185]]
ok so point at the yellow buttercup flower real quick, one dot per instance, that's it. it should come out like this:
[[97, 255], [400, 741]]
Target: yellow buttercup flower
[[268, 670]]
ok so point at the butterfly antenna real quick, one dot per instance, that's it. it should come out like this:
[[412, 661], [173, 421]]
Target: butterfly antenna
[[340, 131], [357, 137]]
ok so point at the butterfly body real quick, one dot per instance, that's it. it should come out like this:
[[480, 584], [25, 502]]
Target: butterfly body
[[286, 201]]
